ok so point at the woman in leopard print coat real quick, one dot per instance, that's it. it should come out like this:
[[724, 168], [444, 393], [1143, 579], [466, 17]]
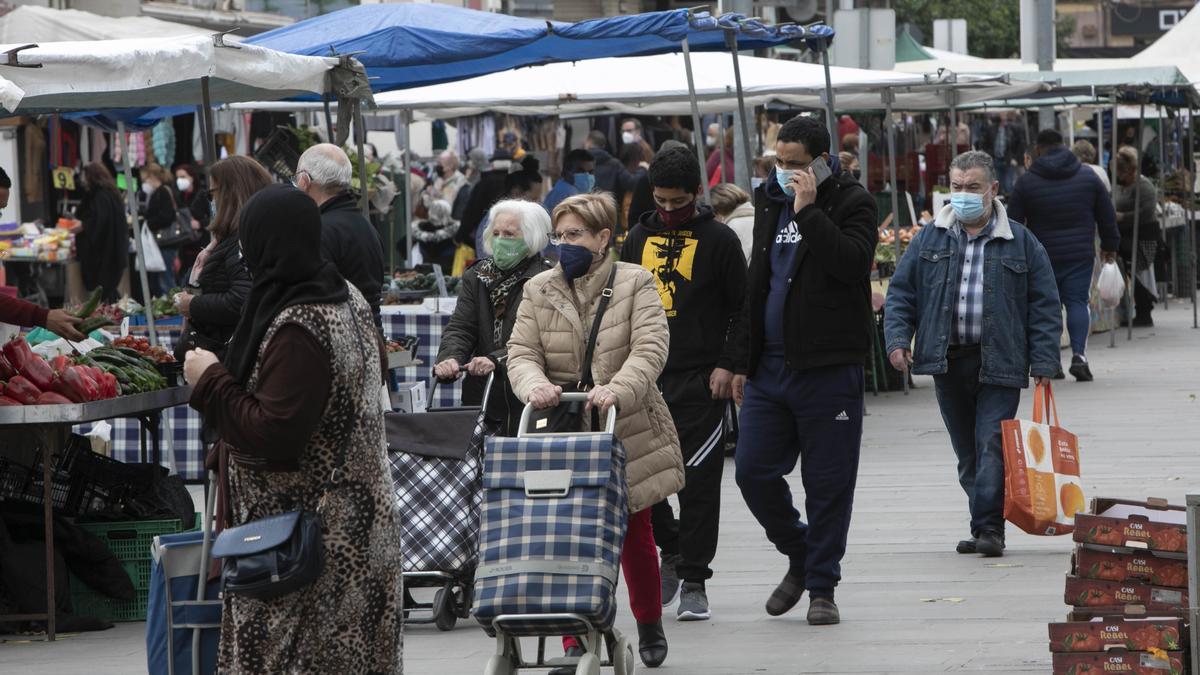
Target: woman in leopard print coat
[[300, 385]]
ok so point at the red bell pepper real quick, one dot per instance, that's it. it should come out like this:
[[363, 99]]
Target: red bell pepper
[[52, 398], [6, 369], [22, 390], [59, 364], [17, 352], [4, 400], [81, 381], [37, 371], [112, 388]]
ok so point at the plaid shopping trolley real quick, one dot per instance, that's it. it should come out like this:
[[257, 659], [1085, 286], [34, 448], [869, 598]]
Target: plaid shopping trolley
[[552, 527], [436, 461]]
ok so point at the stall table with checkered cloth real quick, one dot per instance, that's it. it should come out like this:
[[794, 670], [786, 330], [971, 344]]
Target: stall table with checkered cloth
[[185, 445]]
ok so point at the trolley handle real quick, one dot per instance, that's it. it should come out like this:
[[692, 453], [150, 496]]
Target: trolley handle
[[610, 425], [487, 389]]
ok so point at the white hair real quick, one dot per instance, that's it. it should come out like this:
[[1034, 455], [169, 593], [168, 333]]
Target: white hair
[[327, 166], [535, 223]]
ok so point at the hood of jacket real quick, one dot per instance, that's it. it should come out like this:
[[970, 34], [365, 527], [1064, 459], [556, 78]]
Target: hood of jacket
[[1056, 164], [652, 223], [601, 156]]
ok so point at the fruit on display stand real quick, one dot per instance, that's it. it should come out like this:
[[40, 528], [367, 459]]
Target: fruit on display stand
[[158, 354]]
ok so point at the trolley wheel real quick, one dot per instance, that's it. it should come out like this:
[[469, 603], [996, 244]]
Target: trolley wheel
[[589, 664], [622, 658], [499, 665], [443, 606], [467, 599]]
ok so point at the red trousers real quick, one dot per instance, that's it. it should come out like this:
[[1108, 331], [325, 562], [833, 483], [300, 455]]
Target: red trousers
[[639, 562]]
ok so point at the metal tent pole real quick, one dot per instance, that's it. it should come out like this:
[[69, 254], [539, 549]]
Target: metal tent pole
[[731, 41], [131, 202], [360, 139], [1162, 186], [952, 100], [830, 120], [888, 97], [210, 137], [696, 139], [1189, 159], [408, 207], [720, 144], [1137, 210], [1112, 172]]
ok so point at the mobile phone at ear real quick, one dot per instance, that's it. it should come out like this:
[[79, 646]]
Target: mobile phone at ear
[[820, 169]]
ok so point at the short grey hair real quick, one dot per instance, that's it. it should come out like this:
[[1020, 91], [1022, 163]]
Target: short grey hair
[[327, 166], [535, 223], [975, 159]]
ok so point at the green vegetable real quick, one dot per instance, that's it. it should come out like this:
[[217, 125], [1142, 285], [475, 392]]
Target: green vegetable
[[93, 323], [89, 307]]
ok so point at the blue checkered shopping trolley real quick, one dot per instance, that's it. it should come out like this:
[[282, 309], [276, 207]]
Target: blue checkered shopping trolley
[[552, 527]]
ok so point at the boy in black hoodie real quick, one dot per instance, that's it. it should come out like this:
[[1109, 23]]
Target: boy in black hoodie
[[701, 273]]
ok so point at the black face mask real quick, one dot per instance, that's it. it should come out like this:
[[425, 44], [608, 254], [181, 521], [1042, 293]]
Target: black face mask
[[440, 171], [857, 173]]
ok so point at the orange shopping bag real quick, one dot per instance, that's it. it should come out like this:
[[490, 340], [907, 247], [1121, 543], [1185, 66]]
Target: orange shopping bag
[[1042, 493]]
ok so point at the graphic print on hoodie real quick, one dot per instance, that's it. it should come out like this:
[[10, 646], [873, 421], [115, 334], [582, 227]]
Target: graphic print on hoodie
[[700, 274]]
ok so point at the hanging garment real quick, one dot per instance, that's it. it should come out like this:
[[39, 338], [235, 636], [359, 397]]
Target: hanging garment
[[163, 137]]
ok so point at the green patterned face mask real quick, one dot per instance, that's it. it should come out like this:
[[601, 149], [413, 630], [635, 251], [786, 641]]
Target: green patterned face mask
[[508, 252]]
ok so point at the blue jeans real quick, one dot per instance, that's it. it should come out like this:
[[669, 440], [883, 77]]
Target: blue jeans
[[972, 413], [1074, 289], [162, 282], [814, 417]]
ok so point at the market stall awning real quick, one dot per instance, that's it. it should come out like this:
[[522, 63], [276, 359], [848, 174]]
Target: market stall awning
[[91, 75], [1179, 47], [408, 45], [30, 23], [660, 88]]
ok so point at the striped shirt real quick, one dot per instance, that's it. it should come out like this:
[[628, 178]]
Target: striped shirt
[[968, 310]]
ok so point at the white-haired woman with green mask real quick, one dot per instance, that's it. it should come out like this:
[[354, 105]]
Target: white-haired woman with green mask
[[487, 306]]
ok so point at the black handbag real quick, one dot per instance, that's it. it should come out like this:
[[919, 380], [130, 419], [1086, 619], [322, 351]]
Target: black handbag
[[270, 557], [568, 417], [180, 232]]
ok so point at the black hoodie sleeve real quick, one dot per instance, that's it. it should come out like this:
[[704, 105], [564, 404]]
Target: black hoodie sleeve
[[733, 269], [845, 248]]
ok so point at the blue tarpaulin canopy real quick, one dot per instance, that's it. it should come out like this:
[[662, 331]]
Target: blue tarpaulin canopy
[[411, 45]]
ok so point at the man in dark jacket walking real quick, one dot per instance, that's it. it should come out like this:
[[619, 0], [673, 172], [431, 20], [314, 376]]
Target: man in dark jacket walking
[[348, 239], [611, 175], [698, 266], [1064, 204], [804, 334]]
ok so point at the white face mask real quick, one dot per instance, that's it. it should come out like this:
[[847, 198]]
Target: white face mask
[[184, 184], [627, 137], [710, 141], [146, 188]]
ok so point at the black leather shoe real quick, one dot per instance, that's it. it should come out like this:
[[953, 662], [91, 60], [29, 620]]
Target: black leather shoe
[[967, 546], [823, 612], [652, 643], [990, 544], [786, 594]]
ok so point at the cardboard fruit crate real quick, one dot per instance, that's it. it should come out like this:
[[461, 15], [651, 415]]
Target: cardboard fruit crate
[[1105, 633], [1152, 525], [1123, 565], [1132, 663], [1082, 592]]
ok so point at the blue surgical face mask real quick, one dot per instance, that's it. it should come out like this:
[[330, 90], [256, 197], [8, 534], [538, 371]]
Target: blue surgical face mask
[[782, 176], [576, 260], [584, 182], [968, 206]]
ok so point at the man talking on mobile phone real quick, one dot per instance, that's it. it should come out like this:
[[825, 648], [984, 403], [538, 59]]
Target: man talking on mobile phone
[[804, 334]]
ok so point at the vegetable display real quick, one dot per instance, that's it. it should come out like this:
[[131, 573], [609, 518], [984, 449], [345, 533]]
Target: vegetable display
[[93, 319], [103, 373], [141, 345]]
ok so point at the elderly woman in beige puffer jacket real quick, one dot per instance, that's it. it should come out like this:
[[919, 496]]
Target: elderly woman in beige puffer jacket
[[546, 351]]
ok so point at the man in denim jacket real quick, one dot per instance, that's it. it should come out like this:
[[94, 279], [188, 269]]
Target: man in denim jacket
[[978, 291]]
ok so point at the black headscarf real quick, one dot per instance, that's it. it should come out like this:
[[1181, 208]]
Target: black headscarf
[[280, 233]]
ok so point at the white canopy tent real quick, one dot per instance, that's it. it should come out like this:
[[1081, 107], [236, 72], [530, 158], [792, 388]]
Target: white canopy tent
[[30, 23], [1178, 47], [148, 72], [660, 88]]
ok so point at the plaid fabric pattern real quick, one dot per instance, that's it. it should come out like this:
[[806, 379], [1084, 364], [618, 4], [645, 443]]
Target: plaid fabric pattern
[[586, 525], [184, 444], [968, 307], [439, 507], [427, 327]]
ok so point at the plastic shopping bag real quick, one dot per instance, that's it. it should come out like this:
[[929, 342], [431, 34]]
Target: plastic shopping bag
[[151, 254], [1042, 491], [1111, 285], [463, 257]]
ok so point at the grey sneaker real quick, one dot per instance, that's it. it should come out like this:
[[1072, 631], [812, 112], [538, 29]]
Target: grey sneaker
[[823, 612], [671, 583], [693, 603]]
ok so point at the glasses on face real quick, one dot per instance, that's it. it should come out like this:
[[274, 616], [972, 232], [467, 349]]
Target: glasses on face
[[567, 236]]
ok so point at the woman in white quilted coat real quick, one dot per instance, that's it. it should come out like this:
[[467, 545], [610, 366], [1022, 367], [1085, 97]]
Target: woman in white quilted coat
[[546, 351]]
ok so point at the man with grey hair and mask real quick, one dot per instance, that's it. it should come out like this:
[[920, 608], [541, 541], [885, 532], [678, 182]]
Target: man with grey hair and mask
[[348, 239], [978, 292]]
